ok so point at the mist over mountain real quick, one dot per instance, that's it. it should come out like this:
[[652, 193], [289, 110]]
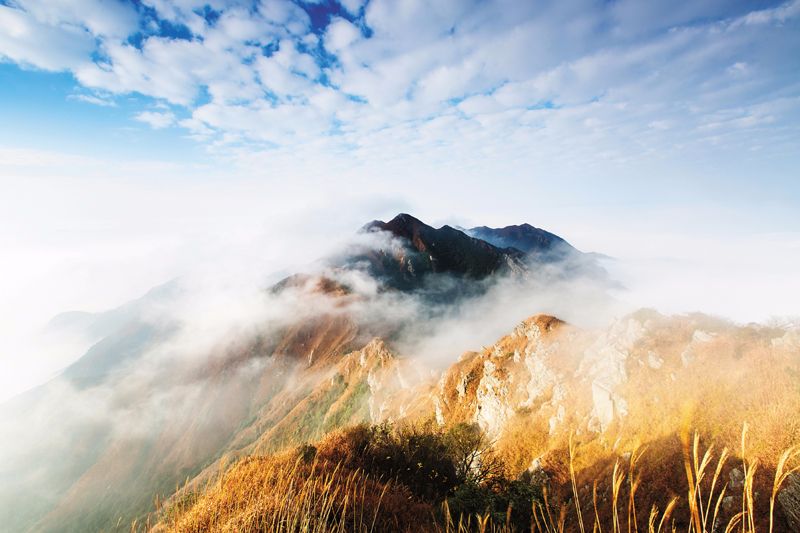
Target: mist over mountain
[[124, 410], [387, 329]]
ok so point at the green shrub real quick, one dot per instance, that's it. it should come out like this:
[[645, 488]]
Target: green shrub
[[508, 503], [416, 458]]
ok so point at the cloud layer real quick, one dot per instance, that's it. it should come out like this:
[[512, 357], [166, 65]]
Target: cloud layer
[[580, 81]]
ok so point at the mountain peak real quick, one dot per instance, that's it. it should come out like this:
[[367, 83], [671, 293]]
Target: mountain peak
[[403, 225], [523, 237], [430, 250]]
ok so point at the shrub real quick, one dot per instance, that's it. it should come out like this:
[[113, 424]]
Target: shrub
[[472, 454], [411, 456]]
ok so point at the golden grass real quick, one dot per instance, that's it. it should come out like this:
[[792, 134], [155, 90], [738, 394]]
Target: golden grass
[[705, 493], [283, 495]]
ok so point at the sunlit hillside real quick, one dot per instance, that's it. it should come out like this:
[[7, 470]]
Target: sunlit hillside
[[684, 436]]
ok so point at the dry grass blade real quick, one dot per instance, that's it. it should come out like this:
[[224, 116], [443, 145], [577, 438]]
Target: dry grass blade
[[651, 521], [574, 483], [667, 514], [617, 478], [597, 527], [691, 465], [735, 519], [633, 482], [723, 458], [744, 466], [781, 475]]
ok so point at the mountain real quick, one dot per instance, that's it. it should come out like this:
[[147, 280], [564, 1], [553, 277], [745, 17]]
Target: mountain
[[418, 251], [153, 403], [95, 326], [525, 238], [446, 249], [128, 410], [542, 248]]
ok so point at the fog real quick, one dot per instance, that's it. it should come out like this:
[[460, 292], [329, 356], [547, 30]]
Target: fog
[[744, 278], [155, 352]]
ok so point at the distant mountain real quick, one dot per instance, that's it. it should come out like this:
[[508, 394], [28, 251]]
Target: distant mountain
[[427, 250], [525, 238], [95, 326], [444, 262]]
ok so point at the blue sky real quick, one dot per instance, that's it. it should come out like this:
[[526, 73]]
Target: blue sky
[[573, 88], [140, 139], [276, 76], [43, 110]]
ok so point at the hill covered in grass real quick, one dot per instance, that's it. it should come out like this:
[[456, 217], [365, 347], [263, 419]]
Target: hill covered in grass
[[638, 424], [426, 479]]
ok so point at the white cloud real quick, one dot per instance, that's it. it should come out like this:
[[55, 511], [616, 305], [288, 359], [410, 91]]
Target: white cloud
[[776, 14], [352, 6], [285, 73], [340, 34], [112, 18], [25, 40], [163, 69], [94, 99], [156, 119]]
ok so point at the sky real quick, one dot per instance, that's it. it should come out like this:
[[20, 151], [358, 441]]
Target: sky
[[141, 140]]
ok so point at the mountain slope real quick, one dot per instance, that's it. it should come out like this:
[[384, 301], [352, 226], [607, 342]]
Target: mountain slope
[[641, 383]]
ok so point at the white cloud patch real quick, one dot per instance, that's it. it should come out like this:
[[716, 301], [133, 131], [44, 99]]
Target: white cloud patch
[[102, 18], [340, 34], [157, 119], [27, 41], [352, 6], [94, 99]]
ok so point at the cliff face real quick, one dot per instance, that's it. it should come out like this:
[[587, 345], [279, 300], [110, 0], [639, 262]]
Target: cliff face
[[643, 376]]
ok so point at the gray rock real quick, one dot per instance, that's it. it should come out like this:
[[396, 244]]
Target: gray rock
[[789, 501], [737, 478], [727, 503]]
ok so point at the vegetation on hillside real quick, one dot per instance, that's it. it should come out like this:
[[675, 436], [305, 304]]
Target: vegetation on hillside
[[427, 479]]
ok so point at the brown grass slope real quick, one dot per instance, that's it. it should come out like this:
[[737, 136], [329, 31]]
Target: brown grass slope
[[637, 390]]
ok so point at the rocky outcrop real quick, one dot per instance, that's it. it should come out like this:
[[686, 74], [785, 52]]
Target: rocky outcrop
[[789, 501], [604, 367], [598, 383]]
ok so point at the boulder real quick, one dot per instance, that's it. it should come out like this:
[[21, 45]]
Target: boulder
[[789, 501]]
